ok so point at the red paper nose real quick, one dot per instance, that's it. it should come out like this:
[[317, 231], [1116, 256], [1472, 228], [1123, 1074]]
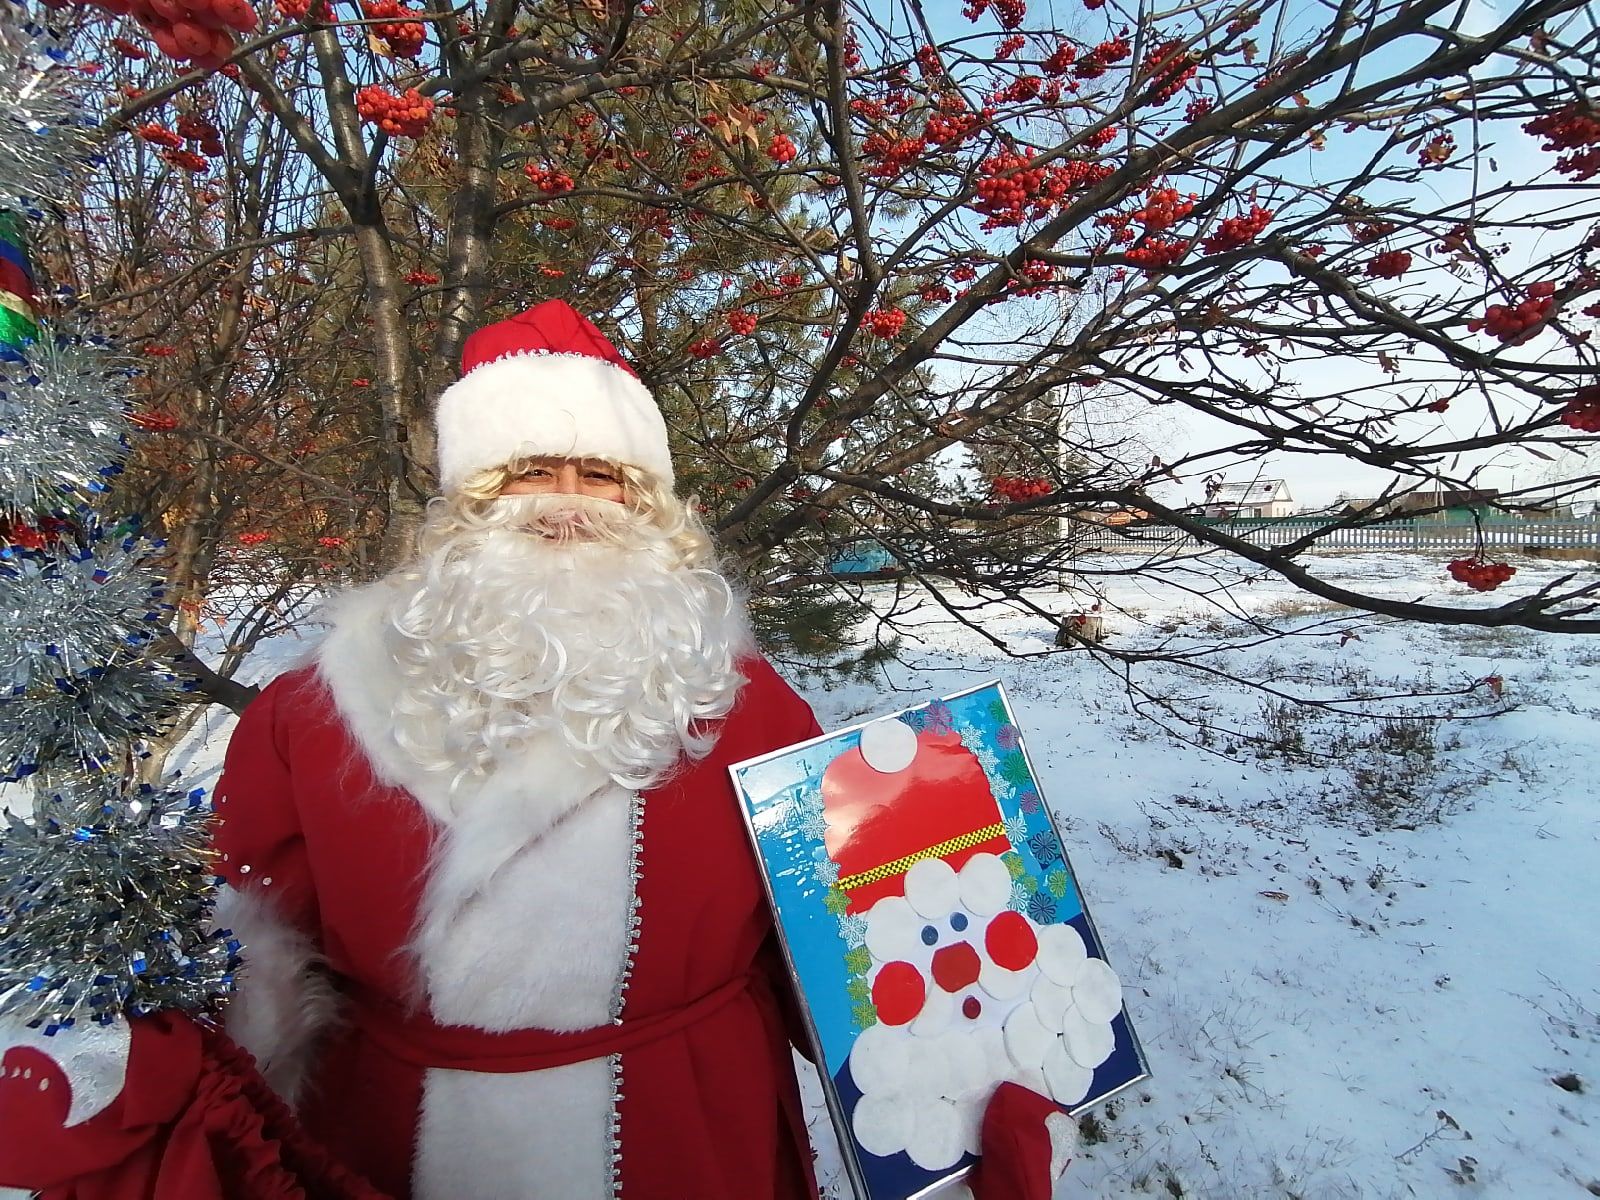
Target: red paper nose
[[954, 967]]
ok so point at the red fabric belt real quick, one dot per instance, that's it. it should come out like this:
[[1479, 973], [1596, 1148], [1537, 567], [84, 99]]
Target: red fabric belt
[[423, 1043]]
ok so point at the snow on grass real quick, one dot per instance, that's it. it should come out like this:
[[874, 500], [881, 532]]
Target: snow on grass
[[1360, 950]]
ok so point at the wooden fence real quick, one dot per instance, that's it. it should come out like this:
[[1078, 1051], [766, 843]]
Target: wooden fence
[[1419, 534]]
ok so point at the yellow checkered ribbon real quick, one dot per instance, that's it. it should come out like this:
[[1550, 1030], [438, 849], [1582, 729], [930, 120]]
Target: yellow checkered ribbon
[[903, 864]]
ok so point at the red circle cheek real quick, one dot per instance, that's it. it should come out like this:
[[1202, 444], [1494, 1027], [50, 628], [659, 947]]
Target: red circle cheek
[[1011, 941], [898, 993]]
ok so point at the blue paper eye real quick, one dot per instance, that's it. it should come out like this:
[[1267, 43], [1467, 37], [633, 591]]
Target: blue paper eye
[[958, 922], [930, 935]]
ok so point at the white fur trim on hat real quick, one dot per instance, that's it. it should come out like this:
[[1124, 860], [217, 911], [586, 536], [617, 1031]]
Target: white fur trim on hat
[[567, 405]]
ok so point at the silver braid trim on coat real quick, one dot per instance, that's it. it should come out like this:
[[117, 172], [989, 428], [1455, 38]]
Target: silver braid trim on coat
[[614, 1132], [635, 853]]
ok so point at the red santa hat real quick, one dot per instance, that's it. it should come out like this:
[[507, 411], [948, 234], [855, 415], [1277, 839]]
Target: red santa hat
[[547, 382]]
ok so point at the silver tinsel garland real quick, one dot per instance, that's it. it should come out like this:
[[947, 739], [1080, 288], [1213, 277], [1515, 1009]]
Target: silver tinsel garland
[[89, 720], [45, 134], [105, 895], [67, 612], [63, 423]]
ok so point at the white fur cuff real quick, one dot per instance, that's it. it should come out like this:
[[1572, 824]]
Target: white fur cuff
[[285, 998]]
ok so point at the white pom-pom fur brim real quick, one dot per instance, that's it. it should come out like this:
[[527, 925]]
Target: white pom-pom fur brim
[[563, 405]]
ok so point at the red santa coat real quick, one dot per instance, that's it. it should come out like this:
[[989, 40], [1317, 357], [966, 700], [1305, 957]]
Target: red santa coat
[[594, 1008]]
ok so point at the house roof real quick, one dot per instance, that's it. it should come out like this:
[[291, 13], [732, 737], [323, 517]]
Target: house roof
[[1257, 491]]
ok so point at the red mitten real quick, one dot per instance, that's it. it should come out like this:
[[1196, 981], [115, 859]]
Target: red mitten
[[1027, 1142]]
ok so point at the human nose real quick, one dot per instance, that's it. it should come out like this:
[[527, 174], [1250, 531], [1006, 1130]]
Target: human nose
[[567, 479]]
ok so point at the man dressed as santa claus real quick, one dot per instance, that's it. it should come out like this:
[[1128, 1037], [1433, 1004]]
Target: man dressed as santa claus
[[505, 937], [504, 930]]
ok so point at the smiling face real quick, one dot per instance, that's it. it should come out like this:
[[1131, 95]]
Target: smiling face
[[568, 477]]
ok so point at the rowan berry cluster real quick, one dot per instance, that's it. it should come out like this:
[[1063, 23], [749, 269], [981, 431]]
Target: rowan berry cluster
[[422, 278], [1514, 324], [1009, 46], [1163, 208], [964, 273], [891, 155], [1158, 253], [160, 135], [952, 125], [1010, 13], [1016, 489], [298, 10], [128, 49], [186, 160], [195, 128], [1391, 264], [1007, 183], [200, 32], [1093, 64], [548, 180], [405, 115], [705, 348], [1235, 232], [781, 149], [1198, 108], [742, 323], [1479, 575], [1574, 129], [1582, 412], [885, 323], [935, 293], [1170, 68], [1060, 60], [1020, 90], [790, 280], [254, 537], [398, 28]]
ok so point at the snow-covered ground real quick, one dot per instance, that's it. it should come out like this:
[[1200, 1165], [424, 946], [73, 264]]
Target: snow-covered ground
[[1361, 951]]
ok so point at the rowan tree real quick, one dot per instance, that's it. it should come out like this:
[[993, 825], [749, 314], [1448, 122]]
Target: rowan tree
[[856, 247]]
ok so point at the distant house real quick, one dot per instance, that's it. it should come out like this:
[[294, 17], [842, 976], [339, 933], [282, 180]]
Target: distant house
[[1447, 500], [1258, 498]]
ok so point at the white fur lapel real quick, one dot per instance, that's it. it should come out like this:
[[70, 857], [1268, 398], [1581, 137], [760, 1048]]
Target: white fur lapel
[[524, 917]]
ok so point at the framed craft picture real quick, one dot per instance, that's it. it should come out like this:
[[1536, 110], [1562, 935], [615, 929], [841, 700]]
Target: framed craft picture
[[935, 930]]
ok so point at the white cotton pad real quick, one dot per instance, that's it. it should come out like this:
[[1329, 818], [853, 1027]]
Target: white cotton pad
[[938, 1136], [1050, 1001], [1067, 1081], [1062, 954], [883, 1124], [931, 888], [1088, 1043], [879, 1058], [1097, 992], [894, 931], [1027, 1039], [928, 1071], [1001, 983], [997, 1064], [937, 1015], [969, 1110], [888, 745], [985, 885], [969, 1072]]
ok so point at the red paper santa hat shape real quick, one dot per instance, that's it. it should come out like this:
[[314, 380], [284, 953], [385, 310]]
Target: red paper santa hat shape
[[547, 382], [901, 797]]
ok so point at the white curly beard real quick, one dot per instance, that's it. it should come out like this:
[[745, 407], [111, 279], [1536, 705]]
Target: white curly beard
[[560, 616]]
